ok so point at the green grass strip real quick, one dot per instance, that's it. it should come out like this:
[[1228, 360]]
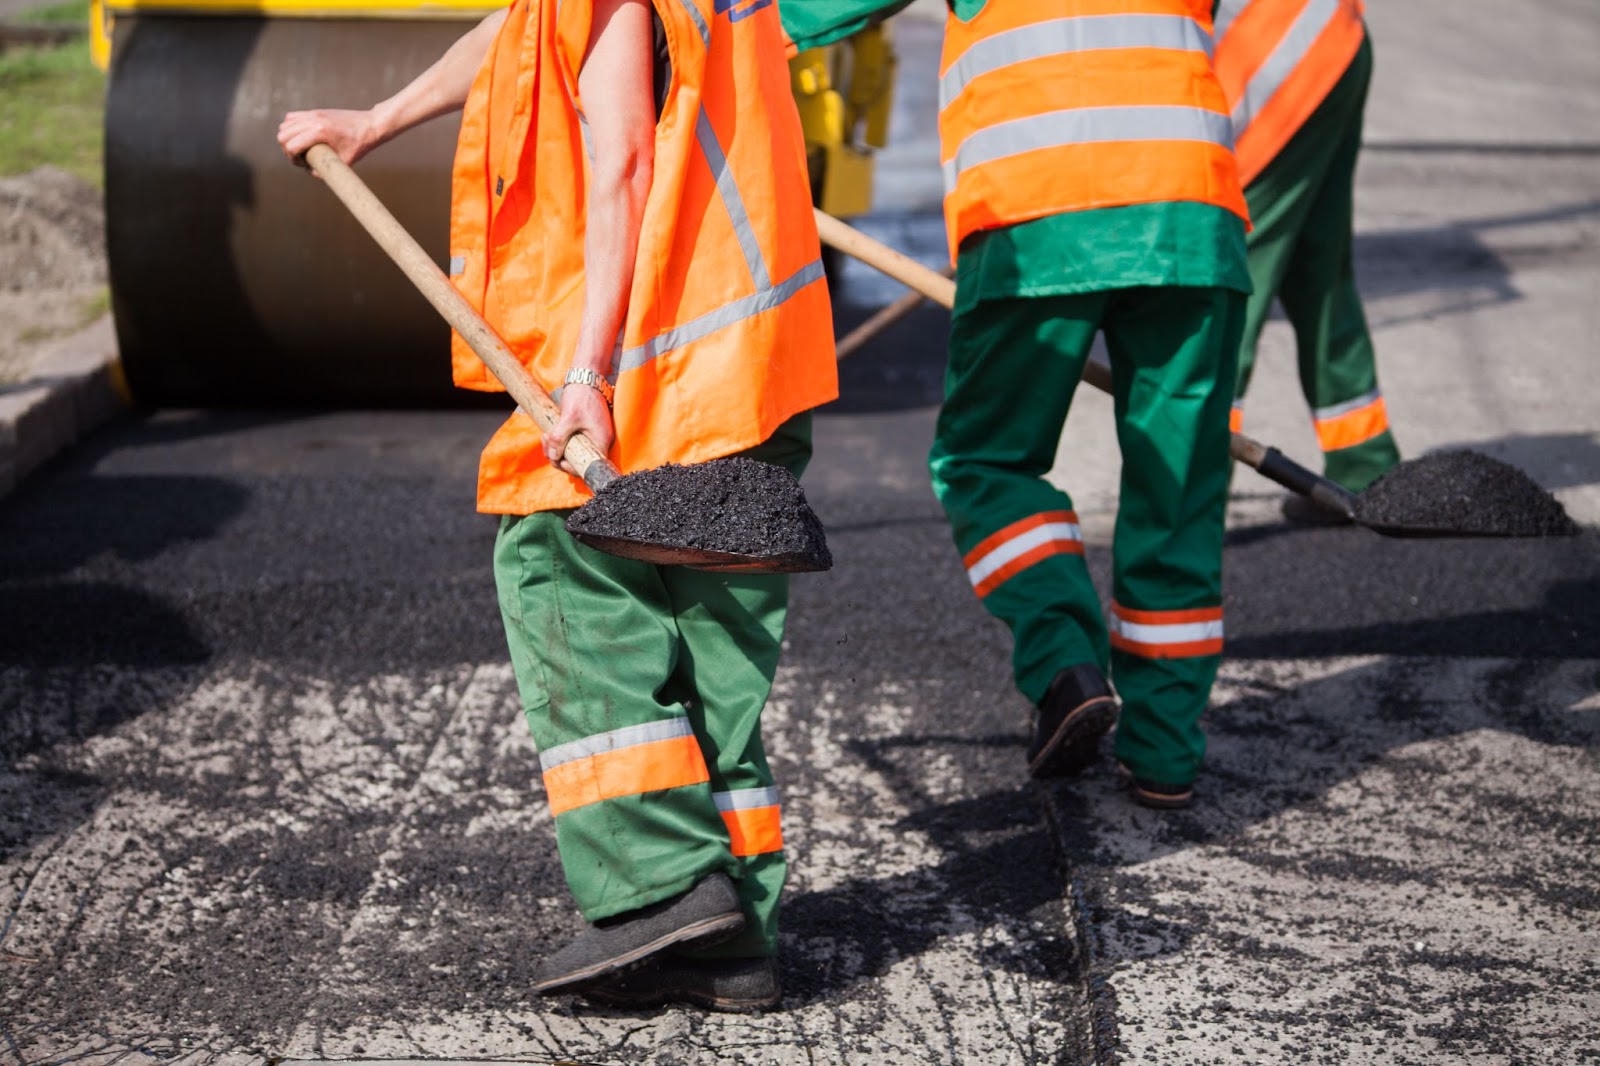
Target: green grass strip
[[52, 102]]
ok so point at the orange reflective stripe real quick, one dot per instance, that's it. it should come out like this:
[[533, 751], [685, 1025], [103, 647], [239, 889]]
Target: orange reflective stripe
[[751, 815], [1000, 556], [1345, 428], [753, 831], [628, 771], [1180, 634], [1236, 419]]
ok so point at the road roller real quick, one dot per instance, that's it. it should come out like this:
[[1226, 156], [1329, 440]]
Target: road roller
[[237, 281]]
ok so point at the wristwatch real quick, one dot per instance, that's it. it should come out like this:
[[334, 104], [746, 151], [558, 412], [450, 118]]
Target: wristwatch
[[585, 376]]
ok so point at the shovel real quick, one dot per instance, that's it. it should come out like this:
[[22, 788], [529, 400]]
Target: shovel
[[1264, 460], [598, 473]]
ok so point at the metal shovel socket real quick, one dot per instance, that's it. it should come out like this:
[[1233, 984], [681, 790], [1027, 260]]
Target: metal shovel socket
[[597, 471]]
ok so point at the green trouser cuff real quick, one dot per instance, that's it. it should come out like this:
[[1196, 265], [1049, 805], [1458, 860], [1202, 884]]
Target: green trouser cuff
[[1158, 733], [1359, 466]]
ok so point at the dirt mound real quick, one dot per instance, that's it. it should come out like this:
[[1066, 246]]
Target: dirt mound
[[52, 231], [52, 262]]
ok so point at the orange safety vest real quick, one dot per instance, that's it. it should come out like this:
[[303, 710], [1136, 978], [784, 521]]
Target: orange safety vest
[[728, 330], [1277, 61], [1076, 104]]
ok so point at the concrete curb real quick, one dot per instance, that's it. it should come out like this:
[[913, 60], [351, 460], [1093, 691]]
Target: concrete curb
[[75, 387]]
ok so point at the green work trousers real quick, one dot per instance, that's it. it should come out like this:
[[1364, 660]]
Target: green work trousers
[[1014, 364], [1302, 209], [619, 664]]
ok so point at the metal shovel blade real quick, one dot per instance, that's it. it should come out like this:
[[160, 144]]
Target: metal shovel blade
[[734, 514], [705, 558]]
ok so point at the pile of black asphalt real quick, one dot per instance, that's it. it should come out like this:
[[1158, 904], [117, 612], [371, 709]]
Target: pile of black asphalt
[[737, 505], [1465, 492]]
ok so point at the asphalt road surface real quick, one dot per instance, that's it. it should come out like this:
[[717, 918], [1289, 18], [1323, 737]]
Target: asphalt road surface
[[265, 794]]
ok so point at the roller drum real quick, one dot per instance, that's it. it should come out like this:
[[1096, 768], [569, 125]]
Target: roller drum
[[237, 280]]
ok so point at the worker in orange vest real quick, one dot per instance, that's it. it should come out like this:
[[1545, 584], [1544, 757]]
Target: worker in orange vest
[[1091, 188], [1296, 74], [630, 211]]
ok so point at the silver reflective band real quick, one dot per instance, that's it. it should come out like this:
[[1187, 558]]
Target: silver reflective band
[[1265, 83], [458, 265], [745, 799], [722, 317], [1322, 414], [732, 202], [1011, 550], [699, 21], [626, 737], [1087, 125], [1084, 33], [1165, 632]]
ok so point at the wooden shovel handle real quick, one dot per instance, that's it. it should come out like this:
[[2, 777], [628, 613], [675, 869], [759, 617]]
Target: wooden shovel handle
[[930, 283], [598, 472]]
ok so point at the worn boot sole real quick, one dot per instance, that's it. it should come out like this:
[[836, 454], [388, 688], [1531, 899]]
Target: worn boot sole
[[704, 1000], [746, 986], [1162, 801], [701, 934], [1073, 746]]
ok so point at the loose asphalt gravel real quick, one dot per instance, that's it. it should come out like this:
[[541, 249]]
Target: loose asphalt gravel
[[736, 506], [1466, 492]]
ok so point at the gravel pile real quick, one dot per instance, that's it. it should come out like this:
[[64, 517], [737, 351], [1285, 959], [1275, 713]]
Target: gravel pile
[[735, 505], [1465, 492]]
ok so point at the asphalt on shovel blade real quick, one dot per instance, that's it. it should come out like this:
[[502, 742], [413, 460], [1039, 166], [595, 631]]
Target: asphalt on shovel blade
[[734, 514], [1461, 493]]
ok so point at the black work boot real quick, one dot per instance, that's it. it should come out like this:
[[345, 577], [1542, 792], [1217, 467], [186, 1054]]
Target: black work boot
[[707, 914], [738, 985], [1157, 794], [1076, 712]]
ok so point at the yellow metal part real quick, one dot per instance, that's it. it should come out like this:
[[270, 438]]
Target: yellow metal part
[[309, 9], [99, 35], [844, 92]]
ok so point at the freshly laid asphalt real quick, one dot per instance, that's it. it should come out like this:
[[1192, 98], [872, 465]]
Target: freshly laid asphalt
[[265, 795]]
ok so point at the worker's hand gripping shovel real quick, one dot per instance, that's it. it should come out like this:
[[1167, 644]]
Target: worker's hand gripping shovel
[[697, 543]]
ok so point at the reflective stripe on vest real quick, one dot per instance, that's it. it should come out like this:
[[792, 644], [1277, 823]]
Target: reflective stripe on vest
[[1166, 634], [1277, 61], [1087, 125], [1085, 33], [751, 815], [1002, 555], [1345, 425], [623, 762], [1236, 418], [1147, 121]]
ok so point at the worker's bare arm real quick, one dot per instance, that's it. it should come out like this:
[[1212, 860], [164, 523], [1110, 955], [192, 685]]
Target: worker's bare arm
[[614, 86], [441, 88]]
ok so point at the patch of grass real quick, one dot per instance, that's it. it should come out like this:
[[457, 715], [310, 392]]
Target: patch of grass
[[52, 103], [94, 307], [73, 11]]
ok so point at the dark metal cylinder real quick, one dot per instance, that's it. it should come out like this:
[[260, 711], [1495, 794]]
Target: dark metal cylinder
[[237, 280]]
